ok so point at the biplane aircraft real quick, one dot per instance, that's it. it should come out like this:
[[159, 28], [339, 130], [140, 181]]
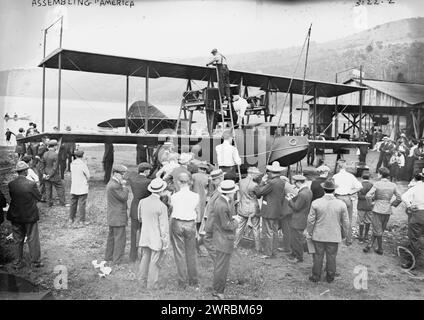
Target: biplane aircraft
[[258, 144]]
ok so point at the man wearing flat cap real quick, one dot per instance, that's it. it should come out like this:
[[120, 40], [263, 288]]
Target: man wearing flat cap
[[51, 175], [300, 205], [117, 197], [272, 190], [23, 214], [206, 228], [327, 224], [79, 188], [248, 207], [139, 186], [220, 62], [200, 185]]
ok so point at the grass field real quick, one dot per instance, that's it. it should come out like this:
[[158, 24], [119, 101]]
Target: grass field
[[250, 277]]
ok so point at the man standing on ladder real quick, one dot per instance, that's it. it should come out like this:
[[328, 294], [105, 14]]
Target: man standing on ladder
[[220, 61]]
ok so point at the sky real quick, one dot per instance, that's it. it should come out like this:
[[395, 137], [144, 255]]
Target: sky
[[181, 29]]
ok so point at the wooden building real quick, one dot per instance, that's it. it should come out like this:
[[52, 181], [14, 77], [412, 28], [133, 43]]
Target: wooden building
[[386, 105]]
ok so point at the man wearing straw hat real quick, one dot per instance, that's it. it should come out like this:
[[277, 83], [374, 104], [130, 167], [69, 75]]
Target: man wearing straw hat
[[248, 207], [224, 226], [227, 155], [154, 239], [272, 190], [23, 214], [117, 196], [327, 221]]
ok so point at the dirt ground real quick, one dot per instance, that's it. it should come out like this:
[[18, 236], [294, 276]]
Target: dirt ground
[[249, 277]]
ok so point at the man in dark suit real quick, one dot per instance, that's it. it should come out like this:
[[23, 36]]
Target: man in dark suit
[[272, 190], [23, 214], [139, 184], [216, 177], [51, 174], [108, 161], [300, 204], [224, 227], [117, 196]]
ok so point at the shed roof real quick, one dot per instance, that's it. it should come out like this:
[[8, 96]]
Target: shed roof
[[411, 93]]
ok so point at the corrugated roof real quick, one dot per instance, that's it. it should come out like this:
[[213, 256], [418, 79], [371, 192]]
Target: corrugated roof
[[410, 93]]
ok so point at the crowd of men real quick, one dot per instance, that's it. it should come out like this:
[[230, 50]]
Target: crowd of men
[[186, 204]]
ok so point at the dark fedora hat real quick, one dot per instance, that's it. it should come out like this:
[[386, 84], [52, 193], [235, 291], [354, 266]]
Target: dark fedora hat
[[329, 185]]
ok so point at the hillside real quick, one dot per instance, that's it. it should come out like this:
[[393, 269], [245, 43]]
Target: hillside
[[393, 51]]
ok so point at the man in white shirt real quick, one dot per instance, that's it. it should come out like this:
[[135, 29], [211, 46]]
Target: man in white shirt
[[414, 200], [227, 155], [240, 106], [347, 186], [79, 187], [184, 205]]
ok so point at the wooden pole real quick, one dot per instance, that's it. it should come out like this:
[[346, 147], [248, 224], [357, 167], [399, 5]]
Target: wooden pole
[[126, 103], [291, 113], [59, 88], [336, 116], [146, 108], [43, 92], [360, 103], [315, 111]]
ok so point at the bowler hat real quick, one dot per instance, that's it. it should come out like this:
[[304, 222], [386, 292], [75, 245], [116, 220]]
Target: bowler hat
[[157, 185], [328, 185], [21, 165], [214, 50], [52, 143], [120, 168], [78, 153], [144, 166], [228, 186]]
